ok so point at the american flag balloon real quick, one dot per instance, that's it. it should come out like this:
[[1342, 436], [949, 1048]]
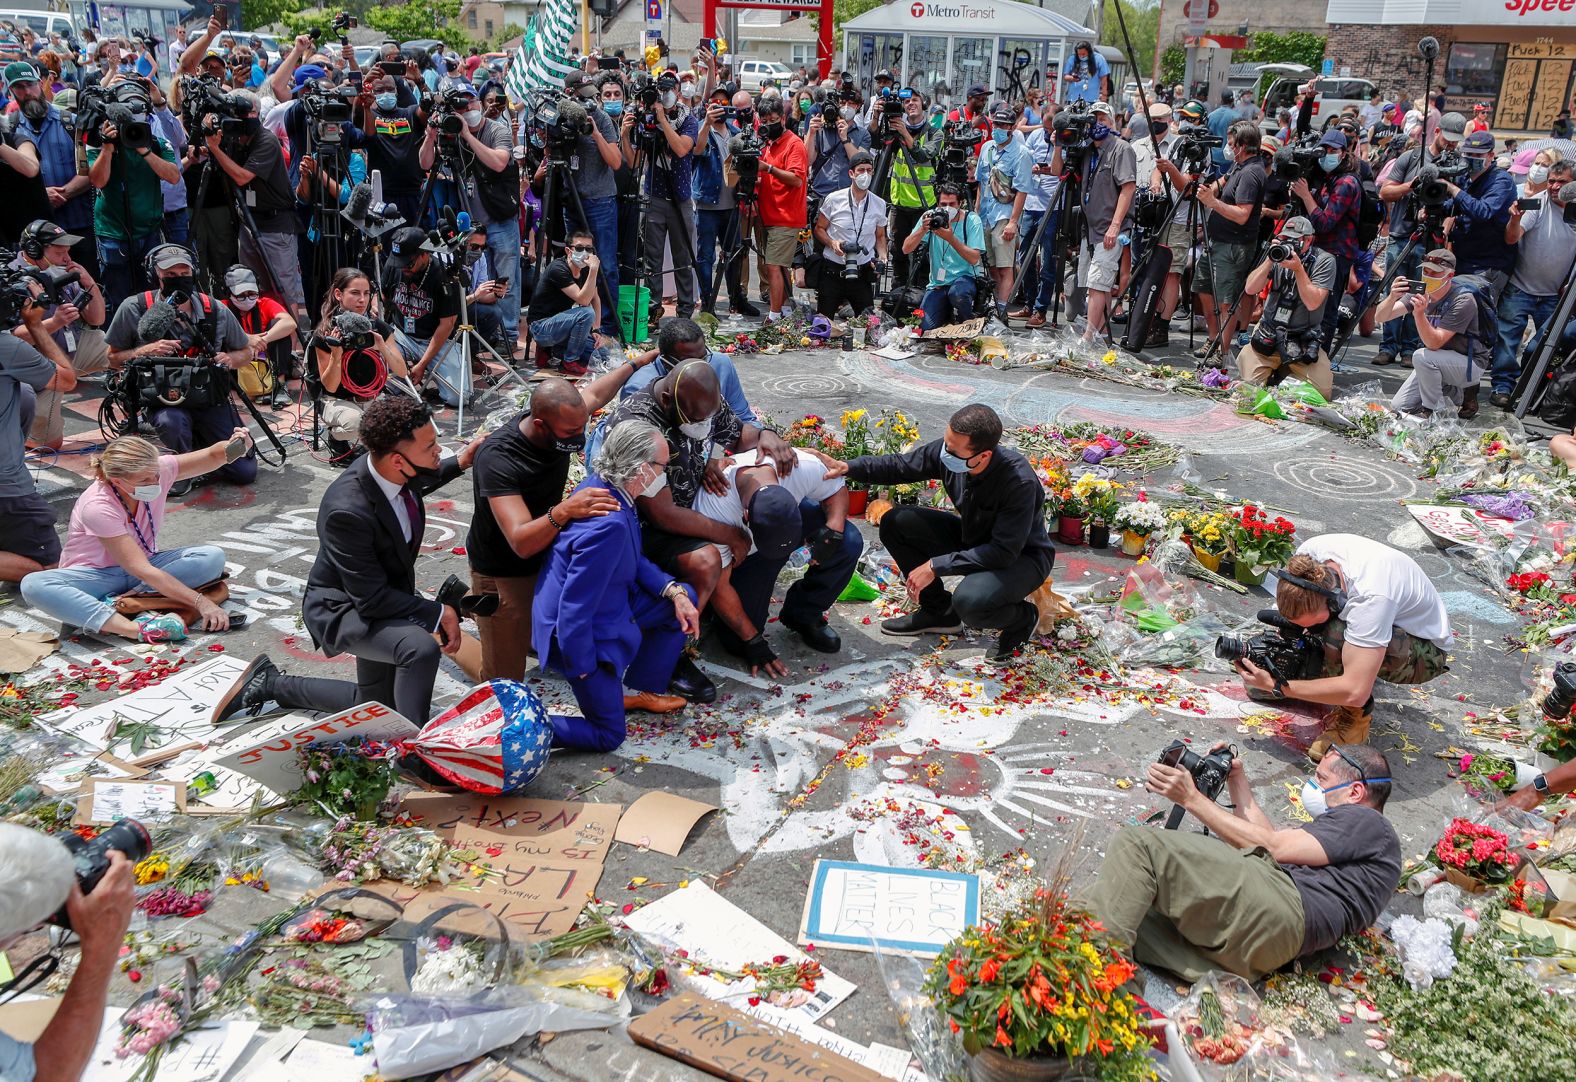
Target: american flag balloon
[[494, 740]]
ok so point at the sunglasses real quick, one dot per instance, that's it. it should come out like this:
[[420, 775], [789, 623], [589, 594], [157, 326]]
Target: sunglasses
[[243, 296], [581, 248]]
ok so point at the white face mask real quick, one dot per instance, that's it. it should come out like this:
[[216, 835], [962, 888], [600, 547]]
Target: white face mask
[[1538, 174], [245, 304], [579, 258], [669, 100], [147, 493], [473, 117], [655, 485], [687, 89], [697, 430], [848, 112], [862, 181]]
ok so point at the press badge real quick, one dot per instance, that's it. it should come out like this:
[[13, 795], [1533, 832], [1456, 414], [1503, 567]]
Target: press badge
[[410, 325], [70, 340], [251, 198]]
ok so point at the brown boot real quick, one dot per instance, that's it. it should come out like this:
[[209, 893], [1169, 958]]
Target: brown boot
[[1345, 725]]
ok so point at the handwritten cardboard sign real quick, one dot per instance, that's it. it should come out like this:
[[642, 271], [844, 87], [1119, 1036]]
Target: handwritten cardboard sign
[[910, 910], [661, 821], [536, 901], [271, 758], [730, 1044], [105, 800], [178, 710], [1450, 524], [528, 830]]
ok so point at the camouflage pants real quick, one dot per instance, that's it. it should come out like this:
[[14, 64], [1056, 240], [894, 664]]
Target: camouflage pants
[[1407, 660]]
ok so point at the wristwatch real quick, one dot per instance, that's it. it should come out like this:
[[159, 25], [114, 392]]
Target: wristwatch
[[1541, 784]]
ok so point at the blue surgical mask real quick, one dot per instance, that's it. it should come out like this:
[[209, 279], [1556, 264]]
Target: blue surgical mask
[[1477, 165], [1329, 162], [614, 107], [1003, 136], [387, 100], [1099, 132], [953, 462]]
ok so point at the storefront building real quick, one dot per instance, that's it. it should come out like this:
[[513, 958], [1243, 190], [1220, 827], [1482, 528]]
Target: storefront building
[[1519, 56]]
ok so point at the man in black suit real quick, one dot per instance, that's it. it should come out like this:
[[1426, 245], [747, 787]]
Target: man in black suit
[[361, 594]]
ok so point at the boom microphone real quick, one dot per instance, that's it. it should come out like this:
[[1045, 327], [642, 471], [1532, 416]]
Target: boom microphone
[[352, 323], [158, 322], [360, 201]]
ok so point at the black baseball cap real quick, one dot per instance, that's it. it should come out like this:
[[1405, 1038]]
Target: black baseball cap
[[775, 525], [406, 245]]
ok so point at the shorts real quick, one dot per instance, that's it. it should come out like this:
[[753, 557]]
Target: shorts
[[780, 246], [1223, 271], [999, 251], [1179, 238], [664, 549], [1407, 659], [30, 528], [1099, 267]]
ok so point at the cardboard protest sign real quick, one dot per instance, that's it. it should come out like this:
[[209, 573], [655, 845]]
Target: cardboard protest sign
[[910, 910], [545, 831], [177, 710], [661, 821], [536, 901], [271, 758], [1452, 524], [105, 800], [730, 1044]]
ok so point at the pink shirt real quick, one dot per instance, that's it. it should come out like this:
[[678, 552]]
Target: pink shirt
[[99, 514]]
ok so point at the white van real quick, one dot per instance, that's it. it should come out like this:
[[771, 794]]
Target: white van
[[1331, 93], [751, 73], [42, 23]]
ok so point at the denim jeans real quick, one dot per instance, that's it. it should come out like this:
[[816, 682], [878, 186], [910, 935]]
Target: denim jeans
[[571, 327], [177, 227], [446, 366], [184, 430], [602, 221], [120, 263], [1400, 334], [76, 595], [1041, 289], [714, 228], [950, 303], [1515, 308], [503, 248]]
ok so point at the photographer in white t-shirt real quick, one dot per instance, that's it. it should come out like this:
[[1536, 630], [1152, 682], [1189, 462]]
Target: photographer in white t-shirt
[[1379, 618]]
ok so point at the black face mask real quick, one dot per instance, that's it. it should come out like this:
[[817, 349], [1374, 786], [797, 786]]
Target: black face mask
[[175, 284], [745, 117], [420, 473], [772, 131], [569, 446]]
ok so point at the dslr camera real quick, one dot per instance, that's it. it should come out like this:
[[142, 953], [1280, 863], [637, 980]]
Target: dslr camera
[[1557, 704], [1209, 772], [1290, 652], [91, 858], [851, 268], [938, 217], [1280, 251], [16, 291]]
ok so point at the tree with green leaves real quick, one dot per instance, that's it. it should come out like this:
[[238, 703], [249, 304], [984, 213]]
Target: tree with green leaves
[[1143, 27], [1293, 47], [421, 19]]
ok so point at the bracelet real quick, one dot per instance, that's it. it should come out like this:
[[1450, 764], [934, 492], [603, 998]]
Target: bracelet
[[553, 522]]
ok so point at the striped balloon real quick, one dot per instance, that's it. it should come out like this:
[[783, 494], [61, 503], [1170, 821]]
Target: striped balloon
[[493, 740], [542, 60]]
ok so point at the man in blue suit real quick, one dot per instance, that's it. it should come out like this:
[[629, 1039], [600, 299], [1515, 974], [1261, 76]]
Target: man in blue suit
[[605, 616]]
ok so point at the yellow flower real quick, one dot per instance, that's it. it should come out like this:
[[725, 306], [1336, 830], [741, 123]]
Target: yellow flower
[[1109, 358]]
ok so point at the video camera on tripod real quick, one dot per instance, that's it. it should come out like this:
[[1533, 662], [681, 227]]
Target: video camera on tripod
[[1191, 152], [1434, 179], [17, 284], [328, 111], [745, 150], [561, 122], [125, 105], [1071, 127], [208, 109], [958, 140], [893, 105], [1298, 159]]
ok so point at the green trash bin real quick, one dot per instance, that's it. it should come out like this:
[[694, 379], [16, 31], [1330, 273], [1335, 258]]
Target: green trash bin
[[633, 311]]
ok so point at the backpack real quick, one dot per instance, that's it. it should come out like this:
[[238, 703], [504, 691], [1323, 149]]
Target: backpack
[[1484, 331], [1558, 407], [1371, 214]]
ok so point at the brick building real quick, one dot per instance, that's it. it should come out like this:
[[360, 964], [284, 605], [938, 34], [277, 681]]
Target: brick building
[[1521, 61]]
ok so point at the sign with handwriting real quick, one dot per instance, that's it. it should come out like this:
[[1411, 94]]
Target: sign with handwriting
[[860, 907], [730, 1044]]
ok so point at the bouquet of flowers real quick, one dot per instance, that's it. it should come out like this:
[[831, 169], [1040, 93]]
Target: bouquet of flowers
[[1044, 981], [1258, 540], [351, 779], [813, 432], [361, 852], [1098, 496], [1209, 531], [857, 439], [1141, 516], [895, 432], [1475, 851]]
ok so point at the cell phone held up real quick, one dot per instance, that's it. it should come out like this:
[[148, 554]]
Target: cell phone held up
[[1418, 288], [1525, 205], [234, 449]]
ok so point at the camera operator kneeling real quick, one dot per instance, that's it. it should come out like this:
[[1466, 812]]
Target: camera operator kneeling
[[851, 227], [956, 241], [112, 546], [180, 322], [41, 878], [1373, 615], [1286, 339], [1444, 314], [1252, 898]]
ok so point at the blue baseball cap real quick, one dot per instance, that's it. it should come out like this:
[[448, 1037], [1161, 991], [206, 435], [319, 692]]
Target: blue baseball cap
[[1333, 138], [462, 86], [308, 71], [775, 524]]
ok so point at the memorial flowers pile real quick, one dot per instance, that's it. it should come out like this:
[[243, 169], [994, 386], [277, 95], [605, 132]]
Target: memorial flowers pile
[[1477, 851], [1043, 982]]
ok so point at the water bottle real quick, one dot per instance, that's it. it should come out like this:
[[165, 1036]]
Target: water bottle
[[1124, 240]]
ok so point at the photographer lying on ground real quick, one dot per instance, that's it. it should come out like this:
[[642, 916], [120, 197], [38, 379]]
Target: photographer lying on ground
[[1253, 898], [1376, 616]]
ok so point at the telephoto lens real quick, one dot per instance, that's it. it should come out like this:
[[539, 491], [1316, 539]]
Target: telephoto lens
[[1557, 703], [91, 858]]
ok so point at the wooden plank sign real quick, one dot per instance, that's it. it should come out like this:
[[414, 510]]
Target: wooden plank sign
[[730, 1044]]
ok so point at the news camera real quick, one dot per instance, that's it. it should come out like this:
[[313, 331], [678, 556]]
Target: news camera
[[1298, 159], [958, 140], [892, 105], [563, 122], [1072, 125], [207, 108], [126, 105], [1191, 153], [328, 111], [1434, 179], [17, 285], [745, 150]]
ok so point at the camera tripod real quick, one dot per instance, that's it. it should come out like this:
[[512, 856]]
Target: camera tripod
[[645, 153], [1534, 378], [1068, 215], [1423, 232], [893, 149], [245, 224], [747, 221]]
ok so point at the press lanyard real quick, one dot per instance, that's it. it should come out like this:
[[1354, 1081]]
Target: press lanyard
[[142, 540]]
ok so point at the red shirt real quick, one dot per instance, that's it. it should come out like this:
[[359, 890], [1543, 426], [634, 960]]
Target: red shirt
[[780, 204], [260, 318]]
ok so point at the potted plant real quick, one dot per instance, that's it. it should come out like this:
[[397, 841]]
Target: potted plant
[[1100, 503], [1475, 856], [857, 441], [1039, 995], [1137, 521], [1207, 533], [1258, 543], [1070, 512]]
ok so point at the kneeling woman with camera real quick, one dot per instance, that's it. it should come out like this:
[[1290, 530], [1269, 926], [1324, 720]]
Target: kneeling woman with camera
[[112, 545], [352, 370]]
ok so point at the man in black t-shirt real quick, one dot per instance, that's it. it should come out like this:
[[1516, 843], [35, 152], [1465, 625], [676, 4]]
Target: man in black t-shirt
[[565, 307], [424, 305], [1233, 232], [1252, 898], [519, 478], [393, 138]]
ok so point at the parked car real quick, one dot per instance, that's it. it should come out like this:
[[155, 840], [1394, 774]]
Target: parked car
[[752, 73], [229, 39], [41, 23], [1331, 93]]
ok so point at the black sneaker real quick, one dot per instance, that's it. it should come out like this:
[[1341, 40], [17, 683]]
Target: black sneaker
[[921, 622], [1014, 635], [1383, 358], [182, 488], [816, 634], [689, 682], [744, 308], [251, 690]]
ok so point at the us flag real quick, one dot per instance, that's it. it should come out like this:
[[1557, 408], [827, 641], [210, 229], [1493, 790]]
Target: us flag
[[494, 740]]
